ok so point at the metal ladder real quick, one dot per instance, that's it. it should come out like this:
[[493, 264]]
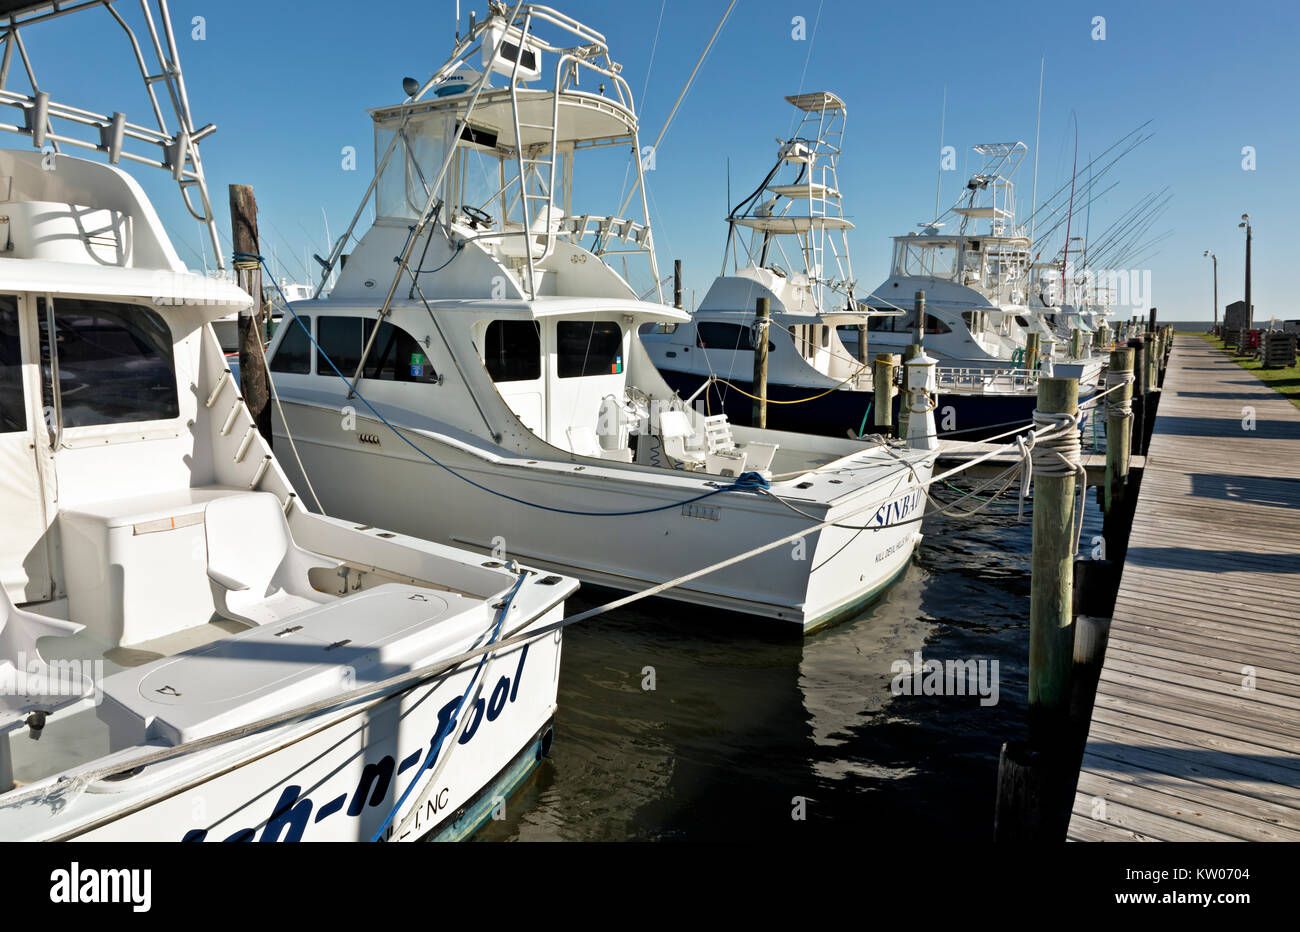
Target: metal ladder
[[533, 166]]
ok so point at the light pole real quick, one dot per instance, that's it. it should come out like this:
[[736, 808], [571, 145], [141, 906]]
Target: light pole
[[1250, 308], [1216, 288]]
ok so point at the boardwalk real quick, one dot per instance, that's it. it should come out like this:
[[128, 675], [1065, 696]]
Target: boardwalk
[[1181, 748]]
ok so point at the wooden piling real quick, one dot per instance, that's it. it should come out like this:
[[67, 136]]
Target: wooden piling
[[1138, 346], [1153, 371], [904, 414], [1031, 353], [1051, 631], [762, 320], [882, 378], [1076, 342], [253, 381], [1017, 817], [677, 283], [1119, 436]]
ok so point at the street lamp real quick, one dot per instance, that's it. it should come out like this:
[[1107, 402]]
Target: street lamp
[[1250, 308], [1216, 288]]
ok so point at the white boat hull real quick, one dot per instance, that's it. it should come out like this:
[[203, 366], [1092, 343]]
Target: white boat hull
[[336, 776], [808, 583]]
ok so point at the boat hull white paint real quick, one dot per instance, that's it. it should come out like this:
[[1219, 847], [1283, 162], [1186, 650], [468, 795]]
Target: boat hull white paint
[[806, 584], [332, 778]]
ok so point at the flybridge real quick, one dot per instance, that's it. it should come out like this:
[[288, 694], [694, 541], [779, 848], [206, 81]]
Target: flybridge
[[170, 142], [799, 205], [485, 147]]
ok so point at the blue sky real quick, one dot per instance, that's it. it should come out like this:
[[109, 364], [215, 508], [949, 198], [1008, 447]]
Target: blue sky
[[288, 84]]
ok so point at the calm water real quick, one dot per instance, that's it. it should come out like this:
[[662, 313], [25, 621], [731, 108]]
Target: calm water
[[742, 721]]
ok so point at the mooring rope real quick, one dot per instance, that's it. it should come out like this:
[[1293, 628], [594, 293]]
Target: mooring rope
[[1117, 405], [1055, 454]]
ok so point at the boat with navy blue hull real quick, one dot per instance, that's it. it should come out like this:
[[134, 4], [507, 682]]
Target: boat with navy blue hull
[[787, 245], [836, 413]]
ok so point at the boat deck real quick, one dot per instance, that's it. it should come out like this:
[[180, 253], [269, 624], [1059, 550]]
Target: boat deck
[[1195, 735]]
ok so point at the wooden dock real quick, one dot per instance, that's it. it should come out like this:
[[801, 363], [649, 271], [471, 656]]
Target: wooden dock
[[1196, 730]]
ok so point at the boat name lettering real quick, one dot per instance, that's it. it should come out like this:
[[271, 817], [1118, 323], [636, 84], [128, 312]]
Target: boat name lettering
[[292, 812]]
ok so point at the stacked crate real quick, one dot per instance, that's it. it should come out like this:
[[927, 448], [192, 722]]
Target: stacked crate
[[1278, 350]]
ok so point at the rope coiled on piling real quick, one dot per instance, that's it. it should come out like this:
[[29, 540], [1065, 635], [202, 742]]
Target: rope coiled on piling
[[1055, 454], [1117, 404]]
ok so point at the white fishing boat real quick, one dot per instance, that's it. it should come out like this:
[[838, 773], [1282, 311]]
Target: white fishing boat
[[787, 243], [977, 284], [186, 652], [501, 396]]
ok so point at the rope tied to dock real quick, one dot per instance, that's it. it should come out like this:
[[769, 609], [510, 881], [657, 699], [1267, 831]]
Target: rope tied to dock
[[1116, 404], [245, 262], [1055, 453]]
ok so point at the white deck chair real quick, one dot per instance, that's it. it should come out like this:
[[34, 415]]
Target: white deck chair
[[22, 664], [675, 429], [258, 574]]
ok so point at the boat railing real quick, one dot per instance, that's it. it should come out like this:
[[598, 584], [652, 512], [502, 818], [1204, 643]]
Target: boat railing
[[977, 378], [177, 150]]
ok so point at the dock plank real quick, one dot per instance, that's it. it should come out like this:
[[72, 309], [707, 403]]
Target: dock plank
[[1177, 748]]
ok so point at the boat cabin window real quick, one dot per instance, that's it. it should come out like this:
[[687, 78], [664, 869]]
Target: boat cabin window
[[396, 356], [709, 335], [13, 409], [924, 258], [115, 362], [512, 350], [588, 347], [293, 355], [849, 338], [904, 324]]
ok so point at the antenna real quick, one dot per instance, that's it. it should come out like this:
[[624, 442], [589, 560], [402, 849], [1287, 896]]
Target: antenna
[[1033, 197], [938, 181]]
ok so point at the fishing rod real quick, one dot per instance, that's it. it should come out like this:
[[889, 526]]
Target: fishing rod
[[1138, 226], [1117, 233], [1104, 153], [1097, 176]]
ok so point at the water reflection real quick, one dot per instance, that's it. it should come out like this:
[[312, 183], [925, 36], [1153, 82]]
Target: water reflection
[[743, 721]]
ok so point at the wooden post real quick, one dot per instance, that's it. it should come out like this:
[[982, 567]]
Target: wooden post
[[253, 384], [1153, 374], [918, 305], [1138, 346], [1017, 817], [904, 414], [1119, 437], [1051, 590], [1076, 342], [883, 381], [1031, 353], [677, 283], [762, 319], [1096, 583]]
